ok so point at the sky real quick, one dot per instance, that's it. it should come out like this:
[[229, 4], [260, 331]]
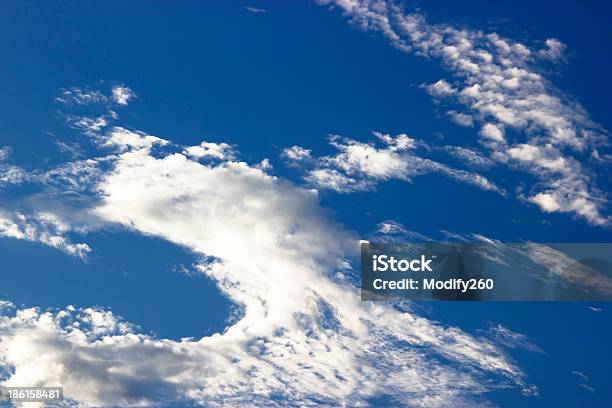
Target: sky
[[183, 186]]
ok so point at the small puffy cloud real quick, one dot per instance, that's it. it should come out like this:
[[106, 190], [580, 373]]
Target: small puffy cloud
[[440, 89], [122, 94], [461, 119], [604, 159], [5, 305], [391, 227], [209, 150], [393, 231], [544, 158], [5, 152], [553, 51], [297, 153], [125, 139], [265, 165], [492, 132], [397, 143], [546, 201], [356, 158]]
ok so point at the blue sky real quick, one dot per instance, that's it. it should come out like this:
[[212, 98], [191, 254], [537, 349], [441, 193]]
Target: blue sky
[[262, 81]]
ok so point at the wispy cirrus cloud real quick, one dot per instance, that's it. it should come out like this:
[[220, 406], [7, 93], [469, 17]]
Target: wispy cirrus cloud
[[508, 338], [360, 166], [119, 94], [42, 227], [255, 10], [81, 96], [583, 380], [60, 186], [471, 157]]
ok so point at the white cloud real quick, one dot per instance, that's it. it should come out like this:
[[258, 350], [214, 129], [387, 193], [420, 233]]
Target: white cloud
[[119, 94], [393, 231], [79, 96], [493, 132], [122, 94], [91, 111], [461, 119], [89, 126], [332, 179], [554, 50], [440, 89], [397, 143], [255, 10], [584, 379], [303, 335], [124, 139], [221, 151], [604, 159], [360, 166], [356, 158], [297, 153], [508, 338], [545, 158], [40, 227], [470, 157], [5, 152], [265, 165], [581, 375], [546, 201], [567, 189], [501, 86], [10, 174]]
